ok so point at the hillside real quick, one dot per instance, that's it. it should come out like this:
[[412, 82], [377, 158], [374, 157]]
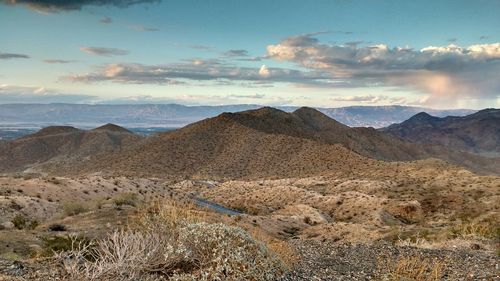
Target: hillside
[[265, 142], [476, 133], [258, 143], [62, 144], [262, 143]]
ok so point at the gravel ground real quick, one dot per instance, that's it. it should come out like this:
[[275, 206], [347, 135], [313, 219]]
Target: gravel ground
[[330, 261]]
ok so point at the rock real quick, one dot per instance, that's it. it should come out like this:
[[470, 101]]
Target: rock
[[304, 213], [407, 212], [7, 225]]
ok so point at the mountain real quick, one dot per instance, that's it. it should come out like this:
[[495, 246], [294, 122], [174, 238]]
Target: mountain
[[476, 133], [264, 143], [383, 116], [62, 144], [250, 144], [175, 115]]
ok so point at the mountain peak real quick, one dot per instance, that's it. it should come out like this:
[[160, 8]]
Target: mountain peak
[[263, 111], [113, 128], [316, 119], [53, 130]]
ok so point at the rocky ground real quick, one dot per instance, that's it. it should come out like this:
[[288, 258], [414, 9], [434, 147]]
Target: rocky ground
[[331, 261]]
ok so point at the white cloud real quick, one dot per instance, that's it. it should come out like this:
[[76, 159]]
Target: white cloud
[[36, 94], [264, 71], [445, 73], [101, 51]]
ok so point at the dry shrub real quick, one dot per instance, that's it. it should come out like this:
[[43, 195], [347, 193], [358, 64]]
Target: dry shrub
[[168, 213], [74, 208], [413, 241], [167, 241], [414, 267], [126, 198], [476, 230]]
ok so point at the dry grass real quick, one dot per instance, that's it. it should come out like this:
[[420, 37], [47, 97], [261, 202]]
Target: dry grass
[[169, 213], [476, 230], [281, 248], [415, 268]]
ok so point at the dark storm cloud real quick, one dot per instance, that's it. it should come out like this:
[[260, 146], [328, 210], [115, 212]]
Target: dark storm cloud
[[68, 5], [236, 53], [6, 56]]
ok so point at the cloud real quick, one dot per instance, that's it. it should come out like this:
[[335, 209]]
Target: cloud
[[200, 47], [142, 28], [264, 71], [196, 70], [7, 56], [367, 98], [106, 20], [372, 99], [236, 53], [251, 96], [443, 72], [57, 61], [69, 5], [101, 51], [31, 94]]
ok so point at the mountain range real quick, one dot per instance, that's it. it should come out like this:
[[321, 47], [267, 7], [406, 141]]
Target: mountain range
[[175, 115], [476, 133], [258, 143]]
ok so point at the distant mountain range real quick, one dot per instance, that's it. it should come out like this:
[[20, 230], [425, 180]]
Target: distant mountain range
[[258, 143], [175, 115], [476, 133]]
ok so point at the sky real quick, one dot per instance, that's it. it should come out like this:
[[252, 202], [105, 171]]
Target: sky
[[436, 54]]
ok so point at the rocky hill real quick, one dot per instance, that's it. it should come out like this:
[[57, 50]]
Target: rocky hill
[[62, 145], [266, 142], [476, 133]]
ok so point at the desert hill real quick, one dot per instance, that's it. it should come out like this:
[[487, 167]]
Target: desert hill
[[476, 133], [266, 142], [311, 124], [62, 144], [257, 143]]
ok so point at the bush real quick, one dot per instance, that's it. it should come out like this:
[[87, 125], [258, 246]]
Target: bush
[[73, 209], [21, 222], [198, 251], [57, 244], [126, 198], [57, 227], [170, 242]]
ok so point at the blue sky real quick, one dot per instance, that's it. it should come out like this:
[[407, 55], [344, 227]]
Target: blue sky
[[441, 54]]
